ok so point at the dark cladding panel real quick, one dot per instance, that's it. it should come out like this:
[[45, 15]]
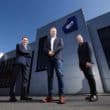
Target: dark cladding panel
[[104, 35], [41, 59]]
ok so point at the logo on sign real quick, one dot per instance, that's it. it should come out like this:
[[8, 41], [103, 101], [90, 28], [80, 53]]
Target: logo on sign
[[70, 25]]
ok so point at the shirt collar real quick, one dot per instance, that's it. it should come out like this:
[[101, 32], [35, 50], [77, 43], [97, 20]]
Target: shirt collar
[[54, 37]]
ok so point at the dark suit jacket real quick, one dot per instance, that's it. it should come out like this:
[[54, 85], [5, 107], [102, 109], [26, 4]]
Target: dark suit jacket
[[23, 56], [58, 47], [84, 54]]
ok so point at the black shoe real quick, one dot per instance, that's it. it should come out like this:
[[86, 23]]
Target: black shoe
[[13, 100], [93, 98], [88, 97], [25, 98]]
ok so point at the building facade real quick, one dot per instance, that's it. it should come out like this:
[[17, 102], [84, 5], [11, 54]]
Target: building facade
[[96, 32]]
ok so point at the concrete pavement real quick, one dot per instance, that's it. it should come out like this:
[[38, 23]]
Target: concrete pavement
[[72, 103]]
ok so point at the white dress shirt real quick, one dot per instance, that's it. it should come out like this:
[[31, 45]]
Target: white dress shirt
[[25, 46], [52, 42]]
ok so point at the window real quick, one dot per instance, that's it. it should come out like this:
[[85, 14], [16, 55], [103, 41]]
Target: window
[[104, 36], [41, 58]]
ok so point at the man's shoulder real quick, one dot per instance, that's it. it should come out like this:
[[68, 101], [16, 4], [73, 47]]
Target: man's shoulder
[[86, 43], [18, 44], [57, 38], [60, 38], [46, 40]]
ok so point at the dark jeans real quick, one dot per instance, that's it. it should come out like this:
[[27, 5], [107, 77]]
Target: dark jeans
[[90, 78], [55, 64], [24, 70]]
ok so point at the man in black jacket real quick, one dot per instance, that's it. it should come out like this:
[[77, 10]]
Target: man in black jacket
[[85, 64], [53, 47], [22, 65]]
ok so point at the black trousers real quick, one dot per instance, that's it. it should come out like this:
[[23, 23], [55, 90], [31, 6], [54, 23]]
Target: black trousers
[[24, 71], [13, 82], [91, 80]]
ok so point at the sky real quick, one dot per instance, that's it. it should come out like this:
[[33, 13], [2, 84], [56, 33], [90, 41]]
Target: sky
[[24, 17]]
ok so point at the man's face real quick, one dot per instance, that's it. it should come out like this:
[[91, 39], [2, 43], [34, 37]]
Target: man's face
[[25, 41], [79, 39], [53, 32]]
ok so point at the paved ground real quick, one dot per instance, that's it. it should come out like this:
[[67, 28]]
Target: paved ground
[[73, 103]]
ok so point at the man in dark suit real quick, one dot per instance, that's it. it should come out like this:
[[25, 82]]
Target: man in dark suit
[[85, 64], [22, 64], [53, 47]]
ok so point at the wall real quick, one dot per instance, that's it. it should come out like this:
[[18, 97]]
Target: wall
[[93, 26], [74, 80]]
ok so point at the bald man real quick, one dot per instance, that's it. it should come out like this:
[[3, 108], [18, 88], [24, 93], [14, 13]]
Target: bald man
[[53, 49], [85, 64]]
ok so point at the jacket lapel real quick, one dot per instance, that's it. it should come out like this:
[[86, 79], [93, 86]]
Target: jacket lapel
[[22, 47], [55, 43], [49, 42]]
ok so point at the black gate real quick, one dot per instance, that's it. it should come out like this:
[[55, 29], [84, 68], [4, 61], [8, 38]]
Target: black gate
[[6, 72]]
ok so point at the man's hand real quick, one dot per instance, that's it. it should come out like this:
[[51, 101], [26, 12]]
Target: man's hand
[[88, 64], [51, 53]]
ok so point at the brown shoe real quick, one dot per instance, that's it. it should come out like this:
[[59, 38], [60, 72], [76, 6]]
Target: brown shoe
[[61, 100], [47, 99]]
